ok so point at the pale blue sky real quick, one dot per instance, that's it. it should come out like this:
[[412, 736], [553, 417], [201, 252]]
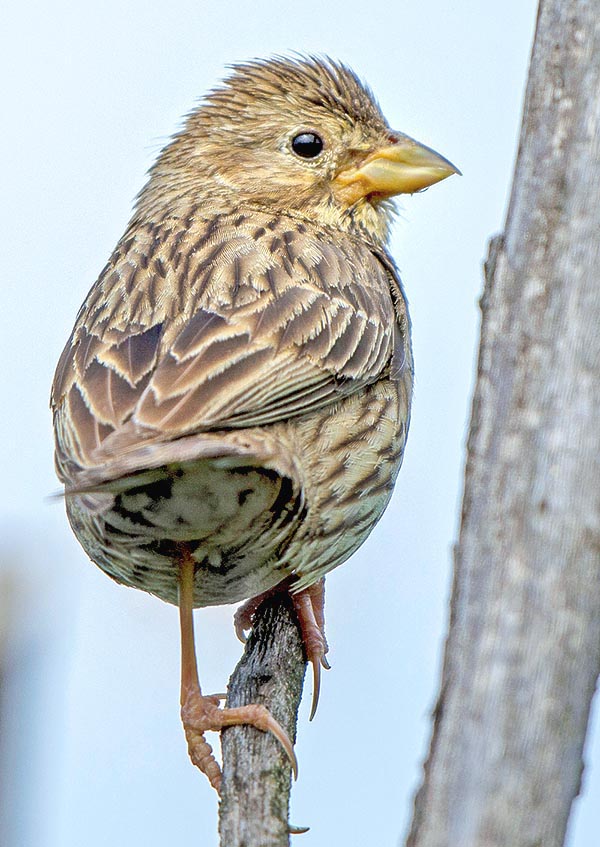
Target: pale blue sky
[[95, 754]]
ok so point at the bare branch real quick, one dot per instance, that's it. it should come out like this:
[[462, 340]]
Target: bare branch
[[256, 773], [523, 651]]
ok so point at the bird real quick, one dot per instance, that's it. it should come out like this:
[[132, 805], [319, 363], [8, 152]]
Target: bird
[[231, 408]]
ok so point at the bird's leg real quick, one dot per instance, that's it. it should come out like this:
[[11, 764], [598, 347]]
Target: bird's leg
[[200, 713], [310, 609], [195, 707]]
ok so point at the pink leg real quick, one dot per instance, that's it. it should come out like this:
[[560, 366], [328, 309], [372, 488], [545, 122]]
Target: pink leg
[[200, 713]]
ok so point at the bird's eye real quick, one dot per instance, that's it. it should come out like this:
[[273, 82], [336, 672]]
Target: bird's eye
[[307, 145]]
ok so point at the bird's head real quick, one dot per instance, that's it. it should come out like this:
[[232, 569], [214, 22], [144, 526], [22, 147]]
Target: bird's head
[[301, 136]]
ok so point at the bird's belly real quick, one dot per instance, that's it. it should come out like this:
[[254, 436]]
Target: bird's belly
[[235, 522]]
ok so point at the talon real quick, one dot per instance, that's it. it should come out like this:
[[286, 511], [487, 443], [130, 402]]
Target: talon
[[309, 605], [239, 625], [316, 687], [297, 830], [260, 717], [244, 616], [281, 735]]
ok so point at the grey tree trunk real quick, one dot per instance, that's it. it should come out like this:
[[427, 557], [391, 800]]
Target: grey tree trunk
[[523, 650]]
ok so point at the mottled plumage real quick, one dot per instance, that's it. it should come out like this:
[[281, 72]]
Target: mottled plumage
[[237, 386]]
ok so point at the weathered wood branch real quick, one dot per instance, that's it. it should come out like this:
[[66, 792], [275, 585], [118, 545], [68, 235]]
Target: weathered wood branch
[[523, 650], [256, 773]]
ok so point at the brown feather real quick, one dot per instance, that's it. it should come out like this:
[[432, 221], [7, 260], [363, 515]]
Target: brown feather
[[309, 330]]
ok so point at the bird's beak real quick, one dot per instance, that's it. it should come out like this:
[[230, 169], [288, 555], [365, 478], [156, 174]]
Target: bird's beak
[[401, 167]]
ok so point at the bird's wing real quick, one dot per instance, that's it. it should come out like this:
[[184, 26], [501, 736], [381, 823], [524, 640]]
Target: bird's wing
[[231, 323]]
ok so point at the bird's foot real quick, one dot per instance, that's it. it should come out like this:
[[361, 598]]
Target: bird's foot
[[310, 609], [200, 713], [243, 618], [309, 605], [196, 717]]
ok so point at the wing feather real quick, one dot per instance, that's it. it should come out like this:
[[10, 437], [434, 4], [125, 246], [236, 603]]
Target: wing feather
[[234, 322]]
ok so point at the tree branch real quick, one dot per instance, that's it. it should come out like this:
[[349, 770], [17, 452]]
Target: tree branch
[[256, 773], [523, 650]]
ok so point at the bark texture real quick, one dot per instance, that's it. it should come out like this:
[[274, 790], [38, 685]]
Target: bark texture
[[256, 773], [523, 650]]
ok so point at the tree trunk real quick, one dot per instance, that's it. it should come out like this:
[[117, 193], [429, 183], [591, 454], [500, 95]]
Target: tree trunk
[[255, 792], [523, 650]]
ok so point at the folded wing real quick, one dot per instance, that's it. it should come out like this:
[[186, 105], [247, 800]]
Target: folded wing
[[219, 325]]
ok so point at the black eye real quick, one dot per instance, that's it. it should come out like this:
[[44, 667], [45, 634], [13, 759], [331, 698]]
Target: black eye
[[307, 145]]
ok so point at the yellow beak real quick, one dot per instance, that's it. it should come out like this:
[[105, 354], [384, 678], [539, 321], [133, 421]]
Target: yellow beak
[[402, 167]]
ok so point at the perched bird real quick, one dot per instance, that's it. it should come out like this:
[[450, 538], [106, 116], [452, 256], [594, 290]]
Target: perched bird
[[232, 406]]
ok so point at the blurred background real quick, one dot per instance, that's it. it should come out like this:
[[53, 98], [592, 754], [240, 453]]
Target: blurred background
[[91, 748]]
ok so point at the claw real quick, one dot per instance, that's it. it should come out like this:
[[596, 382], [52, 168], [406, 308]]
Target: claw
[[239, 630], [316, 665], [297, 830], [244, 616], [260, 717], [281, 735], [308, 604]]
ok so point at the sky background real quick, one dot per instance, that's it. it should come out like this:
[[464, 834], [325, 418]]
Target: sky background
[[91, 746]]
